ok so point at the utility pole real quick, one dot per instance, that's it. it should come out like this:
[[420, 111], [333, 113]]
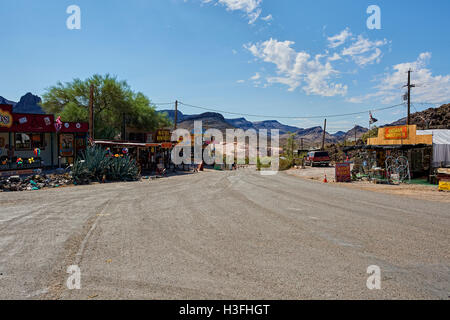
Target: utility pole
[[324, 131], [176, 115], [91, 112], [292, 146], [303, 158], [355, 135], [409, 86]]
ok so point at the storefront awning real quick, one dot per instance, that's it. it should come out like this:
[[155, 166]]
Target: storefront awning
[[120, 143], [164, 145]]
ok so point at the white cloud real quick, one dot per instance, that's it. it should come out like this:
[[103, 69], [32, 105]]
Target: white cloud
[[339, 39], [430, 88], [297, 69], [364, 52], [252, 8], [267, 18], [240, 81], [334, 57], [257, 76]]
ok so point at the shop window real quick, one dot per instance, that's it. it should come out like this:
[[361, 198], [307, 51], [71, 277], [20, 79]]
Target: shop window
[[38, 141], [28, 141], [23, 141]]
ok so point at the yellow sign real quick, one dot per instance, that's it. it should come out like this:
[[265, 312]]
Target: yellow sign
[[444, 185], [396, 133], [6, 119], [163, 136]]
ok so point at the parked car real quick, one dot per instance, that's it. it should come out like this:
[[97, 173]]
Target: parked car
[[317, 158]]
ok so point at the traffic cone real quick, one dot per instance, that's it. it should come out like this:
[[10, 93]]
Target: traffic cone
[[325, 179]]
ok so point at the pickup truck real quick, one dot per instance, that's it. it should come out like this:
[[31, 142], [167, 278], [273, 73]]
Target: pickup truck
[[317, 158]]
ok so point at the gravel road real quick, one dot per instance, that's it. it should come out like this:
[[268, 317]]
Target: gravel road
[[222, 235]]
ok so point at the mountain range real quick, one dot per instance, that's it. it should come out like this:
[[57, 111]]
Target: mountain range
[[29, 103], [311, 136], [434, 118]]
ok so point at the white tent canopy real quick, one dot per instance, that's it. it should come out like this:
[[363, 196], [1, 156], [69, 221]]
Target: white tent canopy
[[441, 146]]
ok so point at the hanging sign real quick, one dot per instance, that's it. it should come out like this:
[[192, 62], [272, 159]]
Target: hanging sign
[[396, 133]]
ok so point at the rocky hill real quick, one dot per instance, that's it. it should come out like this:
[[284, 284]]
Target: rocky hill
[[209, 120], [432, 118], [29, 103], [5, 101]]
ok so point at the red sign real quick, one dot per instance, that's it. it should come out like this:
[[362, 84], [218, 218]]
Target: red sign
[[22, 122], [35, 123], [343, 172], [74, 127], [166, 145], [396, 133]]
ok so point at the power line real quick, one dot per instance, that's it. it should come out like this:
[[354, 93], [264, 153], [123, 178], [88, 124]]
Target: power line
[[291, 117], [161, 103]]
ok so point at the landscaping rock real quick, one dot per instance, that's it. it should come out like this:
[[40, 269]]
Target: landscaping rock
[[36, 182]]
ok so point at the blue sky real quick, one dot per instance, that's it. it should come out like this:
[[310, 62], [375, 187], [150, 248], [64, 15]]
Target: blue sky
[[271, 57]]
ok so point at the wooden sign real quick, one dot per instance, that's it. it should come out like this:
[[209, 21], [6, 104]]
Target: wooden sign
[[396, 133], [343, 173], [163, 135]]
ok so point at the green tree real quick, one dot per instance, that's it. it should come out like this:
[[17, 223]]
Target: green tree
[[370, 134], [291, 145], [113, 100]]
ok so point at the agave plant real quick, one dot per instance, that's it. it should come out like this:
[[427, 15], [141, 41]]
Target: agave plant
[[122, 169], [95, 164]]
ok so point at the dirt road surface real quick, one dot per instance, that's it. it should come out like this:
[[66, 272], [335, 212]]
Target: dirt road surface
[[222, 235], [415, 191]]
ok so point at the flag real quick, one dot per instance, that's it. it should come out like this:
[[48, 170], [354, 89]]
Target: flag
[[372, 119]]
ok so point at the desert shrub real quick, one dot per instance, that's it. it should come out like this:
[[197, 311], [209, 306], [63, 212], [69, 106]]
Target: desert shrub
[[285, 164]]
